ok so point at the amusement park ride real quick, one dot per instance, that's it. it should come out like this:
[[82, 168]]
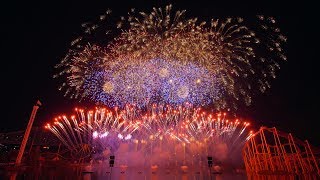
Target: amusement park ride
[[27, 133], [271, 151]]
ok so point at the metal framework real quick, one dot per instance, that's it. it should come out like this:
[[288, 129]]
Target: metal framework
[[27, 133], [270, 151]]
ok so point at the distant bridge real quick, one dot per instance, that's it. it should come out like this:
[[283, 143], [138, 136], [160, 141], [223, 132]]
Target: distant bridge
[[38, 137]]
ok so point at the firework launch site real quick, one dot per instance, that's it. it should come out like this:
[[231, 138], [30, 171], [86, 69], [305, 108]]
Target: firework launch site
[[165, 143]]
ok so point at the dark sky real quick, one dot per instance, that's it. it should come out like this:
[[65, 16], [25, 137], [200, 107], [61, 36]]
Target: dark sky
[[36, 35]]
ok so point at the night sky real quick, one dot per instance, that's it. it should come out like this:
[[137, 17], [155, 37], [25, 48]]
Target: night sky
[[36, 35]]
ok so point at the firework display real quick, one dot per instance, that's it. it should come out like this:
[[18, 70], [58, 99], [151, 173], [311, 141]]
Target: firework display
[[154, 81], [162, 129], [161, 56], [151, 73]]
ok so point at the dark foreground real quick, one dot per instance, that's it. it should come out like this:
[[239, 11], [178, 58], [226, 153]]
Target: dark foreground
[[101, 171]]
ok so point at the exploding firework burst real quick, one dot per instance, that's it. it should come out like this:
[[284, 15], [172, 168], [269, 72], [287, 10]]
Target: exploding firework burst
[[161, 128], [165, 57], [154, 81]]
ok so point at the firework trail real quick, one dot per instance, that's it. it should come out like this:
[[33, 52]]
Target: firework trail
[[160, 129], [161, 56]]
